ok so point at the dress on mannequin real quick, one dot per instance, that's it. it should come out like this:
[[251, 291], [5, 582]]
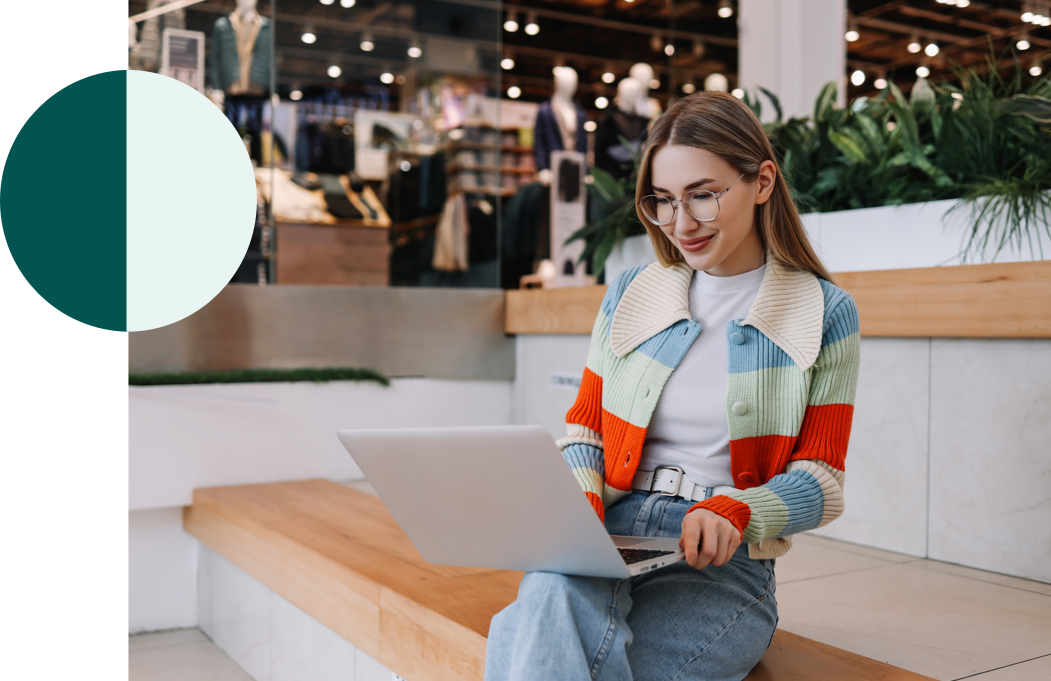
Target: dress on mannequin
[[560, 121], [620, 121]]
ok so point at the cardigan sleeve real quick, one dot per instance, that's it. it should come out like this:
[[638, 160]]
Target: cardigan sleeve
[[582, 447], [809, 493]]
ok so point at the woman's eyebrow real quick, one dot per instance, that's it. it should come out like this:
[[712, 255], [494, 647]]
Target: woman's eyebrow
[[692, 185]]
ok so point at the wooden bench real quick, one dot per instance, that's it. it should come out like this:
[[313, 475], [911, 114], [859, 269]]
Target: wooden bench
[[338, 555]]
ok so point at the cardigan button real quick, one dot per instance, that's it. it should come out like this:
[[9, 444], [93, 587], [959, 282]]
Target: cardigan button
[[737, 338], [746, 477], [739, 408]]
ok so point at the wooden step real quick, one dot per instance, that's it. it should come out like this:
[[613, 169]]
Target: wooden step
[[338, 555]]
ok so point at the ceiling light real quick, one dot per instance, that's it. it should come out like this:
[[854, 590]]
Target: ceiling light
[[852, 29], [510, 25], [698, 49], [601, 102], [386, 78], [914, 45], [414, 51], [405, 166], [456, 134], [366, 43], [334, 71], [327, 2], [923, 71], [1027, 16], [608, 77], [726, 10], [858, 77], [309, 38], [655, 84], [880, 83], [1022, 44], [738, 93], [963, 3], [689, 88], [507, 63], [656, 43], [669, 49], [532, 28], [931, 50], [348, 3], [514, 92], [590, 126], [1035, 70], [852, 36], [295, 95]]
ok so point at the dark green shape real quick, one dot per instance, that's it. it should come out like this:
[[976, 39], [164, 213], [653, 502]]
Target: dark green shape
[[259, 376]]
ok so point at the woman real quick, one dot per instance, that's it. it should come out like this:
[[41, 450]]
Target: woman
[[715, 406]]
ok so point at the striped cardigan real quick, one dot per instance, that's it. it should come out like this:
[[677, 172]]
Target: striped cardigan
[[793, 366]]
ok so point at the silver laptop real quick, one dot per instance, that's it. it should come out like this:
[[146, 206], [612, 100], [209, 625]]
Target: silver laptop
[[497, 497]]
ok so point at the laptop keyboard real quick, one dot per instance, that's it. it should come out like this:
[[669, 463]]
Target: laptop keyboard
[[638, 555]]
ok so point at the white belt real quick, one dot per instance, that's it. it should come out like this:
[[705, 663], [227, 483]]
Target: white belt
[[672, 482]]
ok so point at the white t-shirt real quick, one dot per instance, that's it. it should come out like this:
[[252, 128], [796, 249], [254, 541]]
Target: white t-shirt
[[688, 428]]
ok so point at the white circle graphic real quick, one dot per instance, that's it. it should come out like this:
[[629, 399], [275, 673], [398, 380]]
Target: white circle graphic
[[191, 200]]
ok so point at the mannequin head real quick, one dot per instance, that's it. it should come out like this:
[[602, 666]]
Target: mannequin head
[[629, 91], [246, 7], [565, 82], [716, 82], [644, 74]]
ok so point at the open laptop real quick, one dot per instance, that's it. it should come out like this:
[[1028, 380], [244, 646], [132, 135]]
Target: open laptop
[[496, 497]]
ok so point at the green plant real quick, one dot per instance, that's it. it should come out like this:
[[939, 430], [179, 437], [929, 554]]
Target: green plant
[[985, 141]]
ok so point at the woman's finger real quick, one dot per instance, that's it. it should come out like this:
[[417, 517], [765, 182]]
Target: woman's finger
[[691, 536]]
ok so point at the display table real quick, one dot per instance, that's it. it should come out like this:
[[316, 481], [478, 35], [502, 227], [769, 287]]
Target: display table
[[339, 556], [347, 253]]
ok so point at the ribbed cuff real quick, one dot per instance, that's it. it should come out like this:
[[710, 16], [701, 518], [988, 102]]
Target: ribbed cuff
[[735, 511]]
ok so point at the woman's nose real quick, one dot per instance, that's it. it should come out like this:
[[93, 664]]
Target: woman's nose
[[684, 222]]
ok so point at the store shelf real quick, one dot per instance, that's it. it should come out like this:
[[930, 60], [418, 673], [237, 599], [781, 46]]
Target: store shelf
[[482, 146], [505, 170]]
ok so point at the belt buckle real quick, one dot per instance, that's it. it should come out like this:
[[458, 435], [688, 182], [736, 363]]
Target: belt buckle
[[678, 482]]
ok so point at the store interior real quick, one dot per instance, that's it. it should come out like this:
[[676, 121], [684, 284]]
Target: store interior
[[411, 142]]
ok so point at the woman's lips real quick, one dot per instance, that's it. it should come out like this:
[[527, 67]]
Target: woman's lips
[[694, 245]]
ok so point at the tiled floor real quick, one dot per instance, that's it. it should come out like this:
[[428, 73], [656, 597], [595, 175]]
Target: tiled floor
[[941, 620]]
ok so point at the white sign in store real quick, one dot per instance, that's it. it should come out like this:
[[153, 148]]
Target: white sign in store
[[568, 214], [182, 57]]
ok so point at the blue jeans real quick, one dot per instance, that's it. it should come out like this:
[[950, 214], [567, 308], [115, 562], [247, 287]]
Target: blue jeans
[[674, 623]]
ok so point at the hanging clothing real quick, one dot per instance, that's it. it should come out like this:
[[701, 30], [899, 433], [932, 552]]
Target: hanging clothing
[[547, 134], [224, 61], [146, 55], [450, 244], [610, 153]]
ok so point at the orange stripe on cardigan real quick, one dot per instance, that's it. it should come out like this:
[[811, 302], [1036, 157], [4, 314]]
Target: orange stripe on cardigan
[[587, 410], [824, 434], [596, 503], [737, 512], [754, 460], [623, 446]]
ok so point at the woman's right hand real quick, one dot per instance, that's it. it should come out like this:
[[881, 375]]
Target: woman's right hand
[[708, 539]]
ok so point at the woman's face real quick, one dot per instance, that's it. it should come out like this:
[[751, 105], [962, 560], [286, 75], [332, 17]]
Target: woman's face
[[729, 244]]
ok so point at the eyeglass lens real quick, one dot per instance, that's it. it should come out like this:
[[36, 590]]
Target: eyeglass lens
[[700, 203]]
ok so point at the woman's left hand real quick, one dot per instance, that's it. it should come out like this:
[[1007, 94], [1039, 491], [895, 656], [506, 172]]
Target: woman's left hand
[[708, 539]]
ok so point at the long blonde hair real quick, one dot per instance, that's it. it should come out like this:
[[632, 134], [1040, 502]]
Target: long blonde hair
[[723, 125]]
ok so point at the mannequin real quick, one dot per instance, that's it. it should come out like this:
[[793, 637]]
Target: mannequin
[[621, 121], [239, 66], [240, 54], [647, 107], [559, 123], [146, 51]]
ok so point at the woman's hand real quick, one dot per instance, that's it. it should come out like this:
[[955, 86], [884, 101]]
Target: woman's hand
[[720, 539]]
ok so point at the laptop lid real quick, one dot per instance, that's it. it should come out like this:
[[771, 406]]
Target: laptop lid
[[497, 497]]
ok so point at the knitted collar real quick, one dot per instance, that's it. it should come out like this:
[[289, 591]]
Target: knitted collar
[[789, 308]]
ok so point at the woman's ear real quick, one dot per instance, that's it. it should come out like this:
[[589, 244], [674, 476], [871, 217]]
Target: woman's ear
[[767, 175]]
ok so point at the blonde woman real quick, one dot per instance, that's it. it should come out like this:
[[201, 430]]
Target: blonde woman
[[715, 407]]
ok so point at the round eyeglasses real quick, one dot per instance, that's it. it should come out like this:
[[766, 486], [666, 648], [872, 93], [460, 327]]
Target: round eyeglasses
[[701, 204]]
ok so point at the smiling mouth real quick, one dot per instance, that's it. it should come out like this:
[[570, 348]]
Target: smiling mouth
[[694, 245]]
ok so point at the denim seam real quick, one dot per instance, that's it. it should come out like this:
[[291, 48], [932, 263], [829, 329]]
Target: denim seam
[[729, 625], [611, 630]]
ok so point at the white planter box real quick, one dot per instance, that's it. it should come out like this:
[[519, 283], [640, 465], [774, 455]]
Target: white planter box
[[883, 238]]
